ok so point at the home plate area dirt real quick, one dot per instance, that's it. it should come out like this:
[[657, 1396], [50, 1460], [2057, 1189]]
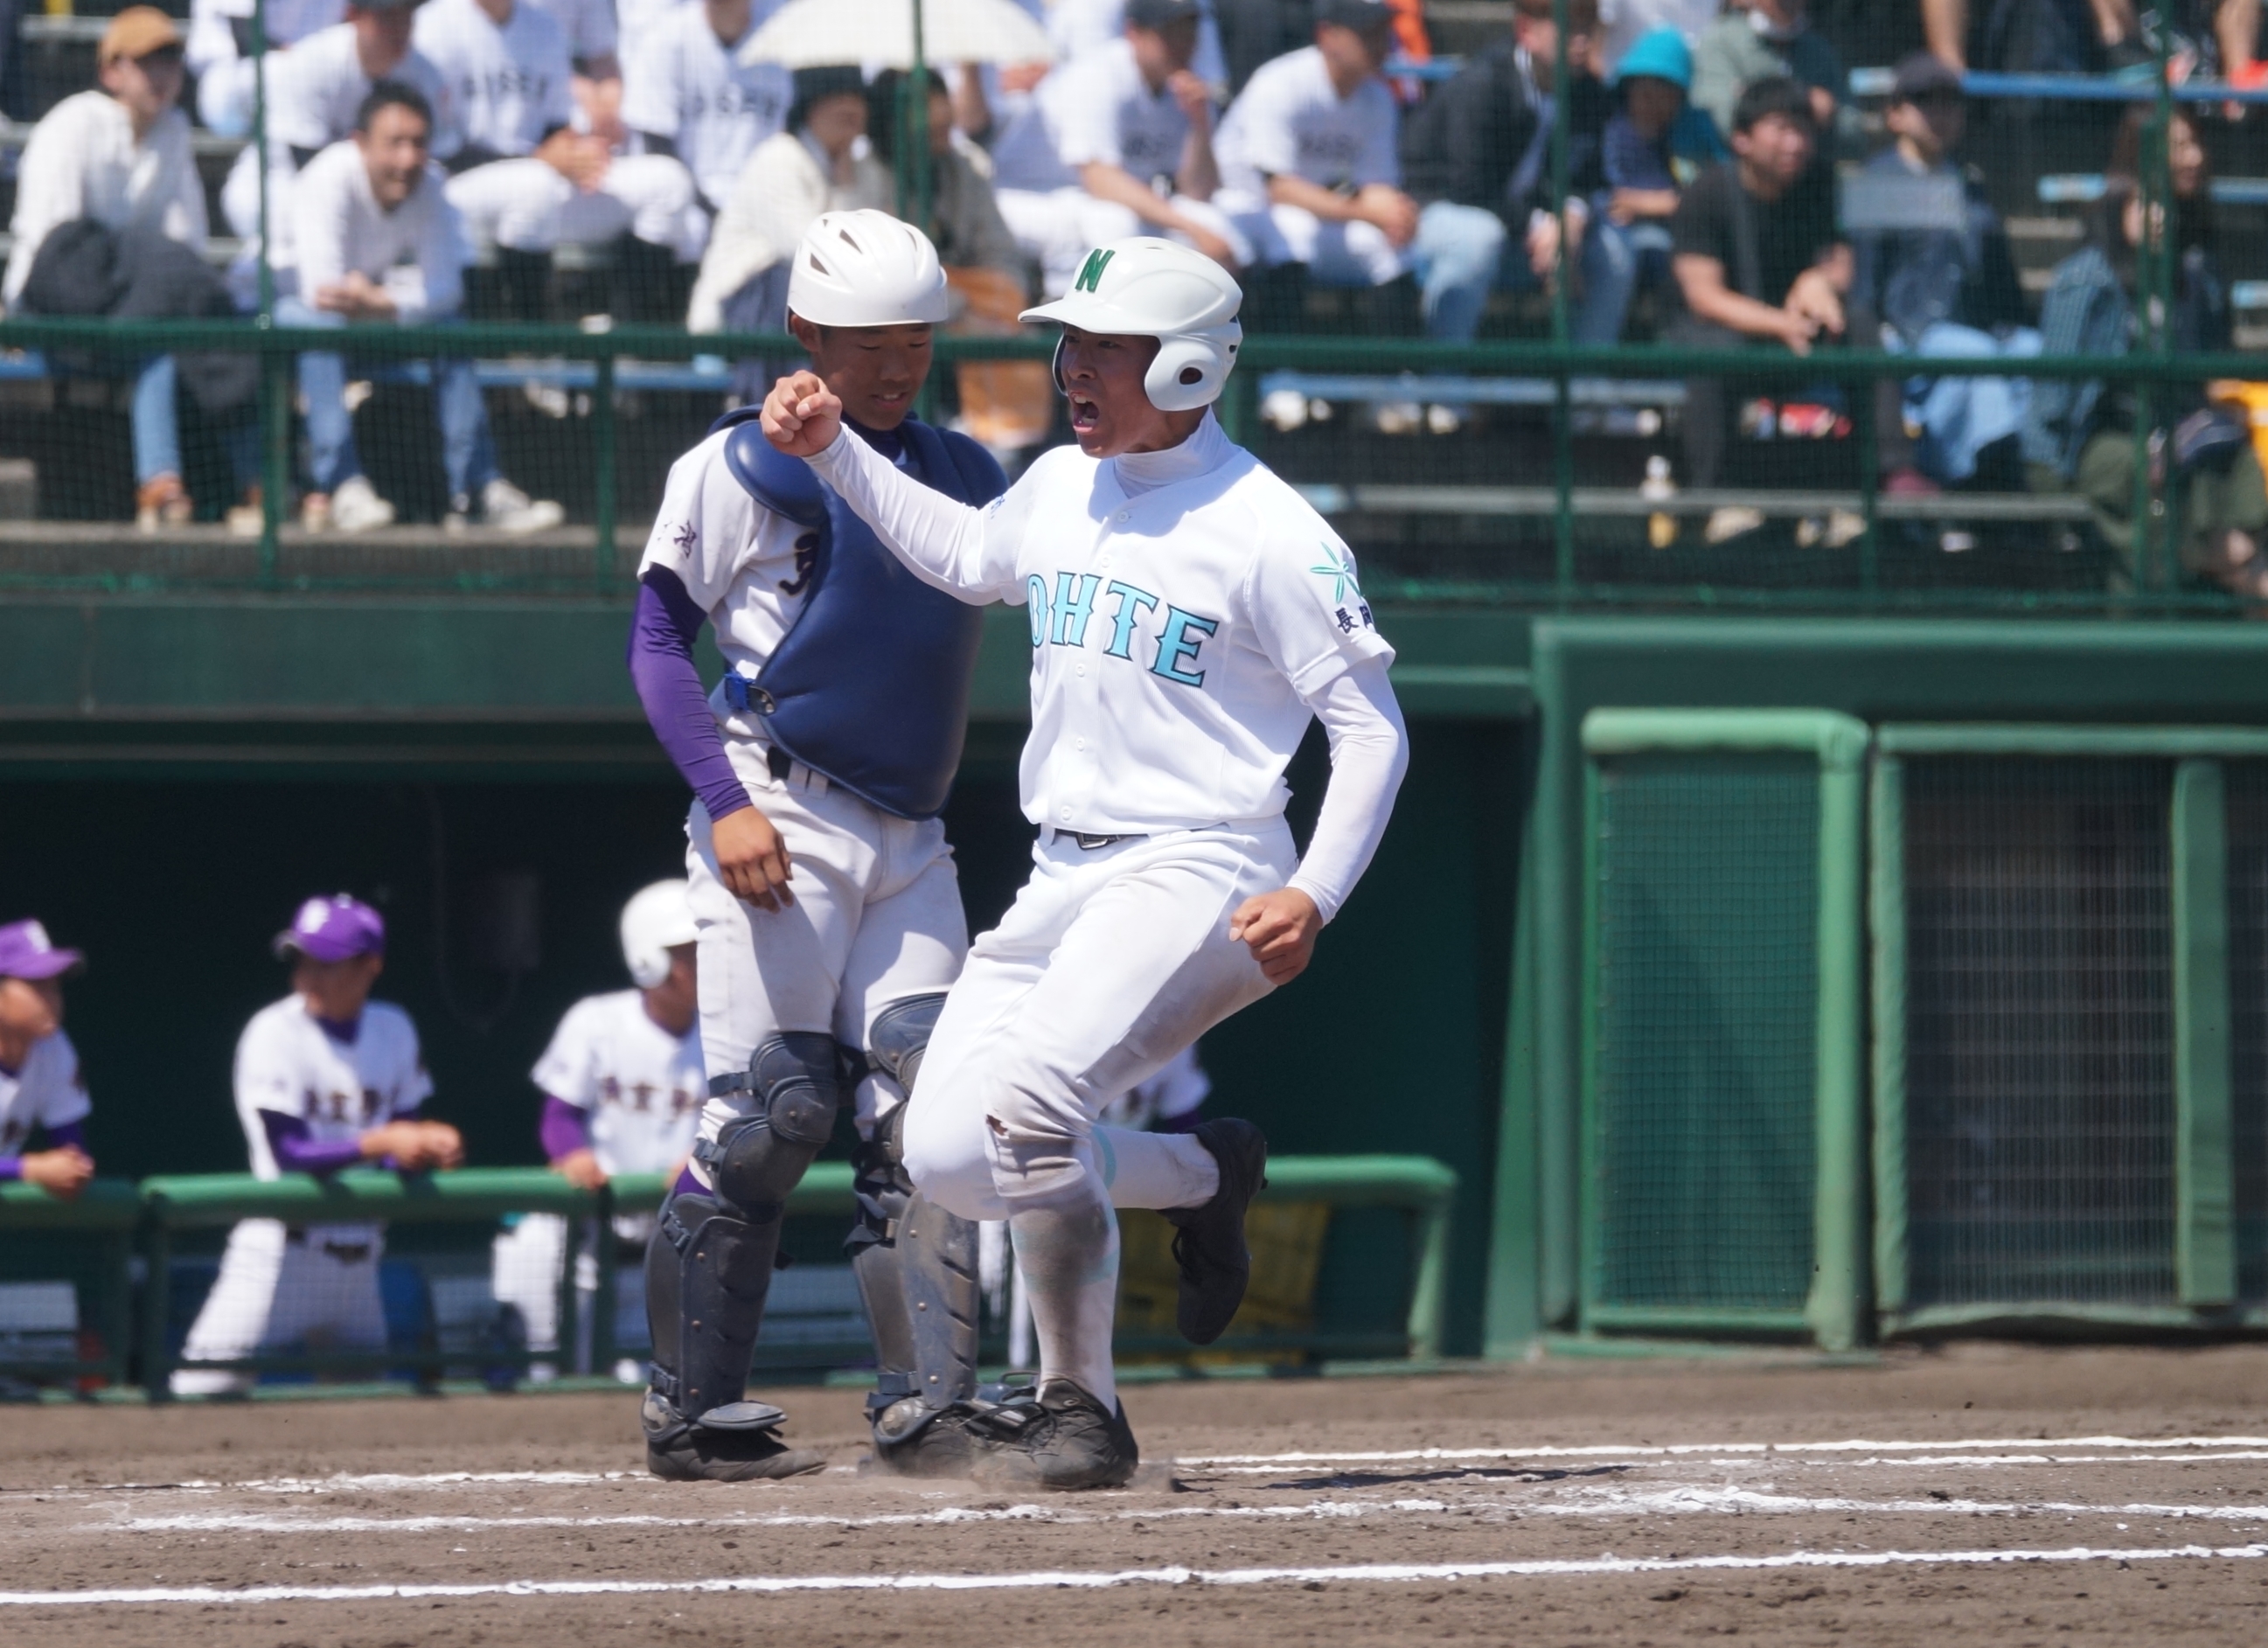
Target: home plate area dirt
[[1973, 1494]]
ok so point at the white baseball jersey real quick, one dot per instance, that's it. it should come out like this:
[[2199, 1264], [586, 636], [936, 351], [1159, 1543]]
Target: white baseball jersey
[[288, 1064], [1172, 636], [681, 81], [509, 86], [1291, 122], [588, 24], [47, 1093], [417, 251], [1098, 109], [316, 89], [1081, 27], [640, 1088]]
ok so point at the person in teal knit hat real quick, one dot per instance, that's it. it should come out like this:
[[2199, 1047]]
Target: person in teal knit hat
[[1651, 147]]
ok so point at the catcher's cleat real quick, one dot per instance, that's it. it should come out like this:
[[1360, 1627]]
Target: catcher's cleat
[[1209, 1242], [677, 1450], [1059, 1436], [911, 1440]]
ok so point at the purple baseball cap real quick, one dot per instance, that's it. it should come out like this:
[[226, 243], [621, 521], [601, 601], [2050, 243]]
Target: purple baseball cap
[[27, 952], [333, 928]]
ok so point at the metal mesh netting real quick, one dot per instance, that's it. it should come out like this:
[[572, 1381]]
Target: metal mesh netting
[[1707, 981], [2039, 1032], [2248, 991]]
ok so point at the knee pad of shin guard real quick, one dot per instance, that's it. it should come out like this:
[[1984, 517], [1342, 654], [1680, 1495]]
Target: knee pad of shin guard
[[797, 1084], [900, 1036]]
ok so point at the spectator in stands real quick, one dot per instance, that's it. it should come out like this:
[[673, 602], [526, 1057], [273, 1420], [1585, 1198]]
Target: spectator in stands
[[377, 243], [1256, 32], [1757, 263], [1941, 277], [1624, 23], [686, 92], [1007, 405], [525, 179], [1117, 143], [819, 163], [1478, 154], [594, 50], [1769, 38], [1653, 140], [110, 219], [41, 1090], [1309, 172], [1079, 27], [315, 93], [218, 52], [2086, 437], [2049, 36]]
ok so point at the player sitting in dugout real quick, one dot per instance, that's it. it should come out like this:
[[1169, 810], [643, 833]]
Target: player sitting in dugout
[[40, 1088], [326, 1078], [622, 1089]]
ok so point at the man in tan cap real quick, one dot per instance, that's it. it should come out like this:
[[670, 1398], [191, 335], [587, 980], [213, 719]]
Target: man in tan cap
[[119, 156]]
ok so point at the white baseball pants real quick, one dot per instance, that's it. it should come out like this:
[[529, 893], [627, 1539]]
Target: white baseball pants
[[528, 206], [1059, 227], [1336, 254], [273, 1291], [525, 1265], [876, 917]]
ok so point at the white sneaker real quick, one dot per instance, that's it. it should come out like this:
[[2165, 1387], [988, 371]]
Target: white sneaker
[[1397, 417], [356, 508], [1734, 520], [506, 509], [1284, 410], [1444, 420]]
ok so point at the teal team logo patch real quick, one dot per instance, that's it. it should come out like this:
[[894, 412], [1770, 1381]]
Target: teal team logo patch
[[1090, 279], [1339, 568]]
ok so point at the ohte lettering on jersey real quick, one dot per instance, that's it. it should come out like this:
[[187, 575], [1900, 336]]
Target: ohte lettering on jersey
[[1064, 616]]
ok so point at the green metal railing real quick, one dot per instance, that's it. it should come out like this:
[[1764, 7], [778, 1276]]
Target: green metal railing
[[133, 1233]]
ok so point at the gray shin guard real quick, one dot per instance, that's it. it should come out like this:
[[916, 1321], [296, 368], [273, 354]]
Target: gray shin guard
[[708, 1274]]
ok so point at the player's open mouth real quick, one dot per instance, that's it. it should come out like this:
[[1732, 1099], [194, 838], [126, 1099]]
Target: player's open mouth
[[1085, 414]]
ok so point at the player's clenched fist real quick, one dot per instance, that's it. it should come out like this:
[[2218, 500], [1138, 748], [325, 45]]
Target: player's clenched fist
[[414, 1146], [802, 416], [751, 858], [1280, 928]]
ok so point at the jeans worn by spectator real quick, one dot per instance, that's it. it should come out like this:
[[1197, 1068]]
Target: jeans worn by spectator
[[158, 433], [1618, 260], [1462, 254], [1959, 417], [467, 449]]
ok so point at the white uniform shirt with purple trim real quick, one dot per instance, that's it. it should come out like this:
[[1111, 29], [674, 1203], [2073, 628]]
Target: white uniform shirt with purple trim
[[48, 1091], [640, 1088]]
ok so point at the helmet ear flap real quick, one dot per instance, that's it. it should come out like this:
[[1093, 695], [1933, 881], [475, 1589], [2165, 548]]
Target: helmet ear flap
[[1187, 373], [1055, 366]]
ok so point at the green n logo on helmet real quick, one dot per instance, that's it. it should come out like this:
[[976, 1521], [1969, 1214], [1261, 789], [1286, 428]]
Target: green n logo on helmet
[[1090, 279]]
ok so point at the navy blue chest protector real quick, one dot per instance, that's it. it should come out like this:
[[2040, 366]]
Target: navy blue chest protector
[[871, 684]]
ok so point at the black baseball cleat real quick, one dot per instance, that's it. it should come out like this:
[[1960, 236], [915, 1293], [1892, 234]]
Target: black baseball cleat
[[911, 1440], [1059, 1436], [744, 1449], [1208, 1244]]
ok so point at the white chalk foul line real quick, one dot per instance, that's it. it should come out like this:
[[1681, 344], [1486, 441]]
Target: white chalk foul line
[[1586, 1502], [1075, 1579], [1645, 1450]]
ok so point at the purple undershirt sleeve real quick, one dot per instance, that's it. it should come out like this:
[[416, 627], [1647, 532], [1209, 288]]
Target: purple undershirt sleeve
[[562, 1129], [11, 1168], [668, 684], [296, 1153], [69, 1135]]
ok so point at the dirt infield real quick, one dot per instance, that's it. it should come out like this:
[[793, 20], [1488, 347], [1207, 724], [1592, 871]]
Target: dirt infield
[[1980, 1494]]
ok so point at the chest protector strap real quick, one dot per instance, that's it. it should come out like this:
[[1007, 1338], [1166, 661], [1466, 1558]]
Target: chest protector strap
[[871, 684]]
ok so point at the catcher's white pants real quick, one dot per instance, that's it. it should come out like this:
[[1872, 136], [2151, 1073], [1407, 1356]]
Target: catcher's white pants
[[1336, 254], [525, 1266], [528, 206], [1059, 227], [876, 917], [274, 1291], [1108, 964]]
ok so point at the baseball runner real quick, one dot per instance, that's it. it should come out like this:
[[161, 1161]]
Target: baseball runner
[[623, 1088], [325, 1078], [1189, 614], [40, 1087], [823, 890], [538, 181]]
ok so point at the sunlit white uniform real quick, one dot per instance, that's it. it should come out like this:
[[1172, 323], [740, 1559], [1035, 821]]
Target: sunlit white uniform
[[1289, 121], [216, 52], [511, 86], [640, 1090], [1096, 109], [281, 1286], [681, 82], [877, 914], [48, 1091], [588, 24], [1189, 614], [1081, 27]]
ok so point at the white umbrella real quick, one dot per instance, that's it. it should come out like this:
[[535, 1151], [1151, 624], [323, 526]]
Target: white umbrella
[[820, 34]]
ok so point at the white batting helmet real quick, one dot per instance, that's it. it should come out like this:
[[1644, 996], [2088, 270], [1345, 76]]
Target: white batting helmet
[[1146, 287], [866, 269], [656, 918]]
